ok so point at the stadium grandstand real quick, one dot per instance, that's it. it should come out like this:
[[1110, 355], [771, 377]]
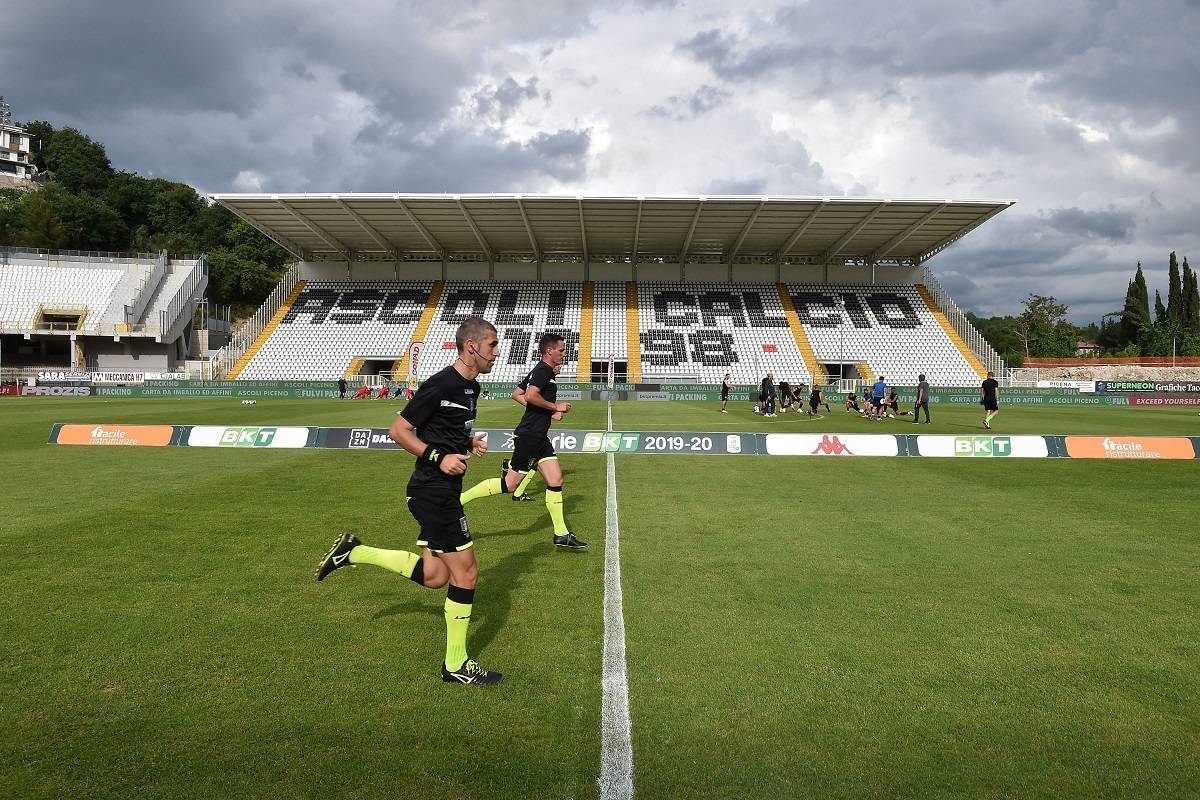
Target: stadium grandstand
[[666, 288], [98, 312]]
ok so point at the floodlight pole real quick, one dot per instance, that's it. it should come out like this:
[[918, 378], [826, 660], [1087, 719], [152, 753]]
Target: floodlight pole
[[841, 303]]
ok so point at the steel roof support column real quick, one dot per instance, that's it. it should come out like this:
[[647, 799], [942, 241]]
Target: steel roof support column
[[293, 248], [899, 238], [854, 231], [687, 242], [388, 249], [483, 243], [737, 245], [587, 259], [796, 234], [425, 234], [637, 232], [533, 242], [317, 231]]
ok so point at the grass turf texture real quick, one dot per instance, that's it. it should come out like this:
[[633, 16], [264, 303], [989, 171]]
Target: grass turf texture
[[795, 626]]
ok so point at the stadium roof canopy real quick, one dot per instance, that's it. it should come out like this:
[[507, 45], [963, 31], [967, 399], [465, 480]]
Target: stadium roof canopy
[[545, 228]]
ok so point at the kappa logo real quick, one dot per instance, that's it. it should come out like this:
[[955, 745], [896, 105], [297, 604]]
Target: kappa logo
[[247, 437], [510, 441], [831, 446]]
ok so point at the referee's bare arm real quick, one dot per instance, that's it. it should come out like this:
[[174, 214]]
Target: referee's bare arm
[[403, 434]]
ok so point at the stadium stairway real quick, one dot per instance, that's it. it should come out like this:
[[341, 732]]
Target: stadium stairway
[[633, 363], [355, 367], [865, 373], [951, 333], [584, 367], [267, 330], [400, 370], [815, 370]]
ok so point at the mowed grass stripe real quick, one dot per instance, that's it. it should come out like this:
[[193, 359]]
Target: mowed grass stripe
[[834, 627], [166, 637], [939, 630]]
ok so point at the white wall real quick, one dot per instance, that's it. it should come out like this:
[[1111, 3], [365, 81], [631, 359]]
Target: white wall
[[612, 272]]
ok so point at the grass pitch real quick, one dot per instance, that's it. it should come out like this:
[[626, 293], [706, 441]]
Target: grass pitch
[[852, 628]]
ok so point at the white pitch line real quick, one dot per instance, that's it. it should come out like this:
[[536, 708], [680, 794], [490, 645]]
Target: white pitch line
[[616, 730]]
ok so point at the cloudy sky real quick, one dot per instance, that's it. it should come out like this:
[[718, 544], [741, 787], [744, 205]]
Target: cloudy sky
[[1085, 113]]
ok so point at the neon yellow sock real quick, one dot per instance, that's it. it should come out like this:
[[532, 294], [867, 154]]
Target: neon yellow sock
[[458, 617], [554, 503], [528, 479], [395, 560], [482, 489]]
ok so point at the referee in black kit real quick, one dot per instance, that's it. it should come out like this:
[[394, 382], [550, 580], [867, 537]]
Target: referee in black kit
[[436, 427]]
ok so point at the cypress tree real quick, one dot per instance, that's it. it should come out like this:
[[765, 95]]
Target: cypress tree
[[1160, 313], [1174, 292], [1143, 295], [1136, 315], [1191, 299]]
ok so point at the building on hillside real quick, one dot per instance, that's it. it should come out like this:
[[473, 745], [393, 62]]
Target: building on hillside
[[1087, 349], [16, 149]]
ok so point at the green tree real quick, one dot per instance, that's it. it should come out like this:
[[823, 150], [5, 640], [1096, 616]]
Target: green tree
[[40, 225], [42, 135], [77, 163], [88, 223], [1044, 329], [10, 216], [173, 208], [1191, 300], [1174, 291], [130, 196], [1160, 313], [1136, 314]]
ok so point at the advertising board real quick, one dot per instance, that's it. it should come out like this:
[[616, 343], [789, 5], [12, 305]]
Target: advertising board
[[115, 435], [983, 446], [1130, 447], [831, 444], [256, 436]]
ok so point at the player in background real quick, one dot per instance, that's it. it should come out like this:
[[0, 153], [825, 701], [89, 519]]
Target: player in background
[[989, 397], [436, 427], [922, 399], [532, 450], [767, 393], [877, 393], [815, 400], [726, 385]]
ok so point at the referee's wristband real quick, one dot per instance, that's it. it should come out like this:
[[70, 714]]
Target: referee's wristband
[[433, 455]]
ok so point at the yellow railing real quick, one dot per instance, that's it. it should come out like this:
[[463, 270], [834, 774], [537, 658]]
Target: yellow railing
[[267, 330], [966, 352]]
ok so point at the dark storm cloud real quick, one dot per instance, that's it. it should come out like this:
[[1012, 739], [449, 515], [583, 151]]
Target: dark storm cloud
[[299, 96], [1110, 224]]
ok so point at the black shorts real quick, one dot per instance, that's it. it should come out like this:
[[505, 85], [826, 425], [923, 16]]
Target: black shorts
[[724, 394], [529, 450], [990, 404], [813, 403], [436, 508]]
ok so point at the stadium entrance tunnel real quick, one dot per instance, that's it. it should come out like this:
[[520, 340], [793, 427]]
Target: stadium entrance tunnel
[[600, 372]]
